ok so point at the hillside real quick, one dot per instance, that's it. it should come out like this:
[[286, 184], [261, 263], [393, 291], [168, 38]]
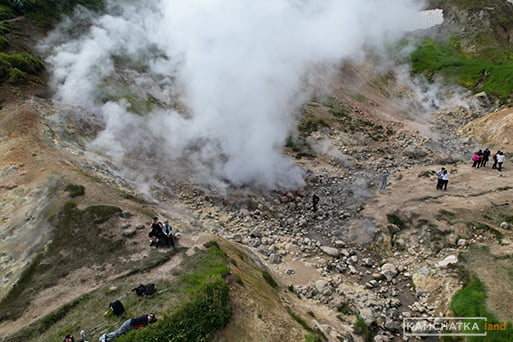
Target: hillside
[[275, 269]]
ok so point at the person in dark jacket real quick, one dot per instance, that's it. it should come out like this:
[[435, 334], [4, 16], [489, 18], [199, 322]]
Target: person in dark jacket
[[130, 324], [486, 157], [156, 232]]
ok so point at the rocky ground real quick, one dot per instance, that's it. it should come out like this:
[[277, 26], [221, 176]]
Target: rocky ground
[[381, 255]]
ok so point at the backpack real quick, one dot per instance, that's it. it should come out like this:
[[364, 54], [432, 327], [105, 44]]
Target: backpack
[[117, 307], [140, 290], [145, 290], [150, 289]]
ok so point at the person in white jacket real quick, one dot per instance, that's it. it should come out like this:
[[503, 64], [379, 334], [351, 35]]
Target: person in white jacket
[[500, 160]]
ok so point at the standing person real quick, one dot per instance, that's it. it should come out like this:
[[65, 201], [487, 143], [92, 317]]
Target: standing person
[[445, 180], [494, 166], [130, 324], [315, 201], [500, 159], [167, 230], [384, 179], [486, 157], [439, 181], [477, 158], [156, 232]]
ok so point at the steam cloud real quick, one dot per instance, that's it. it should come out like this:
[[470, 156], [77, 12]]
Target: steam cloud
[[209, 89]]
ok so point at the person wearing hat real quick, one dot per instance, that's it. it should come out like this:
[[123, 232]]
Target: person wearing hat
[[130, 324]]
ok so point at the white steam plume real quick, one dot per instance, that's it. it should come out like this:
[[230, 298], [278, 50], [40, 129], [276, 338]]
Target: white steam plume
[[219, 81]]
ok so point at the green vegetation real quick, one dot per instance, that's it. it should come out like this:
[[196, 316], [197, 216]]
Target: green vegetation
[[75, 190], [312, 338], [4, 43], [308, 126], [6, 12], [269, 279], [190, 307], [17, 68], [196, 320], [446, 215], [362, 329], [471, 302], [76, 233], [394, 218], [44, 12], [315, 334], [493, 77], [345, 308], [341, 114], [475, 225]]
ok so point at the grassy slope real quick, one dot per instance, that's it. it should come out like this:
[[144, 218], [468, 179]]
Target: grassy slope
[[479, 74], [476, 57], [192, 302], [471, 302]]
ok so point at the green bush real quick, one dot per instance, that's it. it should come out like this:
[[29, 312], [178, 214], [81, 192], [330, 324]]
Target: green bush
[[362, 329], [16, 76], [23, 61], [394, 218], [4, 69], [75, 190], [4, 43], [6, 13]]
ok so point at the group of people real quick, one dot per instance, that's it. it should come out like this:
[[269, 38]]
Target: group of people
[[161, 233], [481, 157], [129, 324], [442, 179]]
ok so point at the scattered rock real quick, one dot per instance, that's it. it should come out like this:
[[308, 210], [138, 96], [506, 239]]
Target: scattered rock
[[451, 259], [334, 252]]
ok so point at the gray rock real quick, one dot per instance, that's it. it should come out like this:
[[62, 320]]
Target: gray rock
[[462, 243], [256, 233], [451, 259], [504, 225], [334, 252], [275, 258], [388, 271], [129, 233]]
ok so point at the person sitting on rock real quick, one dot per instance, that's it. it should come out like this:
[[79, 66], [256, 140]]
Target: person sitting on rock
[[130, 324], [167, 231], [156, 232]]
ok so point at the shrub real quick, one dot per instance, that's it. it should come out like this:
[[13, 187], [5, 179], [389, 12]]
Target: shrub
[[362, 329], [75, 190], [16, 76], [6, 13], [394, 218], [4, 43], [24, 61]]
